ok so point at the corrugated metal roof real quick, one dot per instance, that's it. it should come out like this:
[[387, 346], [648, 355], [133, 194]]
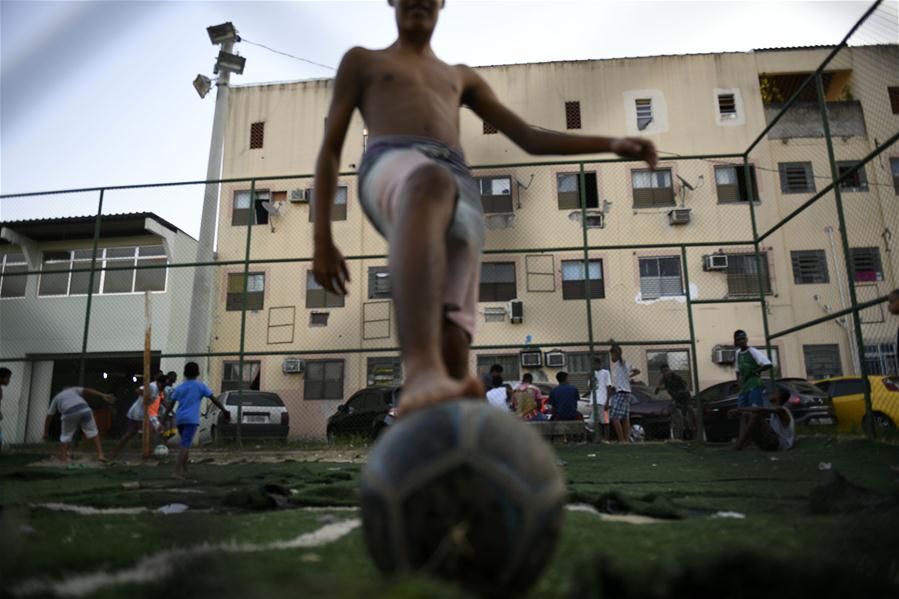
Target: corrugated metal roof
[[82, 227]]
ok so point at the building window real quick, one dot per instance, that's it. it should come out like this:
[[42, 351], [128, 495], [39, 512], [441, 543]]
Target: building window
[[894, 99], [572, 115], [116, 272], [385, 371], [660, 277], [857, 181], [319, 319], [573, 284], [231, 380], [496, 194], [652, 188], [894, 169], [742, 275], [809, 267], [241, 210], [497, 282], [323, 379], [796, 177], [489, 129], [378, 282], [257, 134], [580, 368], [866, 264], [678, 360], [13, 286], [319, 297], [568, 192], [509, 362], [644, 112], [255, 291], [880, 359], [822, 361], [727, 106], [731, 184], [338, 210]]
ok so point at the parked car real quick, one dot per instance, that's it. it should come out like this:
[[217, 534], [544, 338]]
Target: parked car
[[848, 396], [263, 415], [366, 413], [807, 403]]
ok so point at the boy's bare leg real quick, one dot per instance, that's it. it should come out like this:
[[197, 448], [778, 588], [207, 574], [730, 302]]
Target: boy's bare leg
[[99, 447], [618, 430], [181, 464], [417, 267], [455, 344], [64, 453], [747, 430]]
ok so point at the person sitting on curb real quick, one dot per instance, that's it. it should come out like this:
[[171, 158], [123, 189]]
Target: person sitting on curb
[[771, 427]]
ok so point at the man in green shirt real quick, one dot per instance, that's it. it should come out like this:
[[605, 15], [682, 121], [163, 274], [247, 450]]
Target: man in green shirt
[[748, 365]]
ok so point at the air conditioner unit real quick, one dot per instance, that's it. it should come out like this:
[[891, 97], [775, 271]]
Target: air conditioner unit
[[531, 358], [679, 216], [555, 359], [298, 196], [724, 355], [714, 262], [293, 365], [595, 220], [516, 311]]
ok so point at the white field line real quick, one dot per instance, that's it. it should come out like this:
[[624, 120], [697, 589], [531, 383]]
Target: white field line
[[86, 510], [626, 518], [152, 568]]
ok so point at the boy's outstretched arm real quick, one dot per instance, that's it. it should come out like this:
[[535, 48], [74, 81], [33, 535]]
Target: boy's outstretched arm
[[328, 264], [535, 140]]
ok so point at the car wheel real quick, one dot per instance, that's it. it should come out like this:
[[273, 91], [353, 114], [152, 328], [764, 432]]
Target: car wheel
[[883, 422]]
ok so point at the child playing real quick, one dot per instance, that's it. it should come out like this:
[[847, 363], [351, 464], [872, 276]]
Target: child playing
[[75, 413], [418, 192], [136, 415], [188, 396]]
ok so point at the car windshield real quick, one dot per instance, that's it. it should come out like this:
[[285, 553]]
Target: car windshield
[[255, 399]]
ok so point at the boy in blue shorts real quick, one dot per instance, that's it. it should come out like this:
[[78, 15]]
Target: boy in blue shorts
[[189, 395], [749, 364]]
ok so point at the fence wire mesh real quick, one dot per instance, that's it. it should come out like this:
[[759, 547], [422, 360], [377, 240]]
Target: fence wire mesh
[[790, 238]]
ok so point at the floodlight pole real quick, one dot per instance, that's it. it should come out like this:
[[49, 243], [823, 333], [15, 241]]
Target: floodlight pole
[[201, 304]]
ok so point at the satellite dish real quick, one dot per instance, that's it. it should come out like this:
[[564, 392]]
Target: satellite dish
[[683, 182], [273, 208]]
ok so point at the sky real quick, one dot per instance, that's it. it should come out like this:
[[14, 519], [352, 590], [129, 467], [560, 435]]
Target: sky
[[99, 93]]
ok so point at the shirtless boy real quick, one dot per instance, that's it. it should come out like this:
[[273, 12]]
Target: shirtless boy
[[417, 191]]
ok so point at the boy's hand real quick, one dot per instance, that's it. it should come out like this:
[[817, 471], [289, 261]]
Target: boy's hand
[[636, 147], [329, 267]]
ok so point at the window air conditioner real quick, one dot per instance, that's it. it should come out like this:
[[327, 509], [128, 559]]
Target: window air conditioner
[[714, 262], [555, 359], [298, 196], [293, 365], [679, 216], [531, 358], [516, 311], [724, 356]]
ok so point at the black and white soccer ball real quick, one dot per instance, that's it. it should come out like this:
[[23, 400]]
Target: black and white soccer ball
[[465, 492]]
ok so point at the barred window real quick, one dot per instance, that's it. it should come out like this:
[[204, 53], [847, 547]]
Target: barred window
[[385, 371], [497, 282], [727, 106], [323, 379], [867, 265], [643, 107], [574, 284], [857, 181], [379, 282], [809, 267], [509, 362], [660, 277], [489, 129], [796, 177], [822, 361], [742, 275], [572, 115], [257, 134], [880, 359]]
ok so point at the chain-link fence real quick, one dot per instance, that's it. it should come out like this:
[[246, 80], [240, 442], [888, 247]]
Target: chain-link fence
[[789, 239]]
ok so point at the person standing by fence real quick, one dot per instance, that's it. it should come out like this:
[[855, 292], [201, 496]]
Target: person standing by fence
[[620, 413]]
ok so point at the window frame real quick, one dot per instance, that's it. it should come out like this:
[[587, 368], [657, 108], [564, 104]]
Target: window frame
[[687, 374], [660, 277], [727, 114], [102, 264], [573, 115], [338, 208], [736, 193], [808, 171], [233, 384], [821, 276], [393, 363], [239, 216], [644, 106], [653, 196], [489, 202], [373, 292], [317, 297], [877, 260], [576, 289], [750, 292], [511, 364], [257, 132], [498, 289], [859, 181], [571, 200], [308, 381], [821, 347], [234, 299], [4, 264]]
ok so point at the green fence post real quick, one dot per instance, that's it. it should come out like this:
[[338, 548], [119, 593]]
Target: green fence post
[[847, 256], [758, 262], [90, 292], [251, 216], [694, 362], [582, 194]]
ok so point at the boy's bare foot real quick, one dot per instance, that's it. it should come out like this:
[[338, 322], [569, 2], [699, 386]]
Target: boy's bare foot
[[432, 388]]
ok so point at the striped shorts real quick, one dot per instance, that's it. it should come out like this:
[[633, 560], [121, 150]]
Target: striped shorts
[[621, 406]]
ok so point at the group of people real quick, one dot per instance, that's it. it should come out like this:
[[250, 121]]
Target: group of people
[[76, 414], [613, 396], [527, 401]]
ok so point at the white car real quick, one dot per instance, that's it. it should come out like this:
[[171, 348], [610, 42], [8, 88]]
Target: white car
[[263, 414]]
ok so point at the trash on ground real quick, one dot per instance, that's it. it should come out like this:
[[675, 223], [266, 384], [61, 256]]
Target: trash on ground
[[824, 465], [172, 508], [734, 515]]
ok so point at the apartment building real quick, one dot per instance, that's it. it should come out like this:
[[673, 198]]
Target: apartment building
[[533, 297], [43, 315]]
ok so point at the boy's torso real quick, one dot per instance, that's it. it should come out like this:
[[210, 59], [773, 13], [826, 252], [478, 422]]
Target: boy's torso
[[406, 94], [746, 364]]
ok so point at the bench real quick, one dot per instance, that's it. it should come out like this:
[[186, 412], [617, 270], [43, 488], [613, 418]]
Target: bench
[[560, 428]]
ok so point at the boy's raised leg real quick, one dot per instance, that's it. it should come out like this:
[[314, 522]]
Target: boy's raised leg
[[417, 268]]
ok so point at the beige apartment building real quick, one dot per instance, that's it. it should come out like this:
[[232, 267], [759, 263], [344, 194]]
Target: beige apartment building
[[532, 309]]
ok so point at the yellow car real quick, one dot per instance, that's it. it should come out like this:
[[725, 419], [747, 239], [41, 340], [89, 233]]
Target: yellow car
[[848, 396]]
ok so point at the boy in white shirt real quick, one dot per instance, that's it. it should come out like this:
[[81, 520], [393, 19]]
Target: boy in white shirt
[[75, 414]]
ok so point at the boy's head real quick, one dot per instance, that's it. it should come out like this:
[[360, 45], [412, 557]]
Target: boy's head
[[191, 370], [496, 369], [893, 302], [171, 376], [527, 378], [741, 339], [665, 369], [5, 374], [562, 377], [416, 16], [162, 380], [615, 353]]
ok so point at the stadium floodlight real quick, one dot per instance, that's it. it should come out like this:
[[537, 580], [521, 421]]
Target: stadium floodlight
[[230, 62], [202, 84], [225, 32]]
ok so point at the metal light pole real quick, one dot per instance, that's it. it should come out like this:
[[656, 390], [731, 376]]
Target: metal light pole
[[201, 306]]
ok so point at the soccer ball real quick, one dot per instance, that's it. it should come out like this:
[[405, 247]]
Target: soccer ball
[[465, 492], [160, 451]]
